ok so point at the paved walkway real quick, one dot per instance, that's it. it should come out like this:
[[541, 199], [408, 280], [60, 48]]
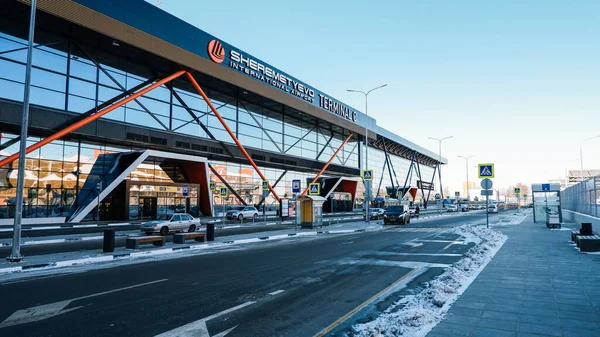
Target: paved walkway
[[537, 285]]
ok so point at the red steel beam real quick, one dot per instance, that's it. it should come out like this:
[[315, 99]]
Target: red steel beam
[[329, 162], [237, 142], [89, 119]]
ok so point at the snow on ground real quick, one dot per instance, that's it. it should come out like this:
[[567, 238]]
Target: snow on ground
[[415, 315]]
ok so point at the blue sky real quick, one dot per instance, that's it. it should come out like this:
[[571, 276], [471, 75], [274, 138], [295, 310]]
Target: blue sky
[[517, 83]]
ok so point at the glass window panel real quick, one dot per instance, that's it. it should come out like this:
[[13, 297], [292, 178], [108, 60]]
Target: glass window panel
[[20, 55], [272, 124], [293, 131], [83, 70], [227, 111], [295, 151], [12, 70], [249, 141], [105, 80], [156, 107], [47, 79], [49, 60], [81, 105], [11, 90], [47, 98], [118, 114], [82, 88], [245, 118], [105, 94], [141, 118]]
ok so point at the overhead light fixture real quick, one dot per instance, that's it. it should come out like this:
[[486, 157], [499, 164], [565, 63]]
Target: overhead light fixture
[[115, 43], [245, 92]]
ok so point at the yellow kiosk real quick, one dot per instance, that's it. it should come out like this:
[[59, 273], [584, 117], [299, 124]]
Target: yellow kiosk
[[309, 211]]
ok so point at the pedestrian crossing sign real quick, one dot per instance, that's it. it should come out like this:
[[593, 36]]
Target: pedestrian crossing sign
[[265, 185], [367, 174], [486, 170], [314, 189], [212, 186], [517, 190], [224, 192]]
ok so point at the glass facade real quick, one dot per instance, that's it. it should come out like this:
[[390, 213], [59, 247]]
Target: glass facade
[[55, 174]]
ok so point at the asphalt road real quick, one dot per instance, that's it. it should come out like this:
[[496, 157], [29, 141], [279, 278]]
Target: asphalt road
[[293, 289]]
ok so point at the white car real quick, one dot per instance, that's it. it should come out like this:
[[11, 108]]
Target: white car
[[243, 212], [178, 222], [452, 208], [492, 208]]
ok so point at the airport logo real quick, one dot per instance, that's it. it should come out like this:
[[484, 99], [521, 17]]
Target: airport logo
[[216, 52]]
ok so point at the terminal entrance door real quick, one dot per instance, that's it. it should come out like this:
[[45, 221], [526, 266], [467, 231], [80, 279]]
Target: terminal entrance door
[[147, 208]]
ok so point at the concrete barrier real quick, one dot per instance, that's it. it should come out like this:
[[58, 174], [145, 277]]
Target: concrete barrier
[[579, 218]]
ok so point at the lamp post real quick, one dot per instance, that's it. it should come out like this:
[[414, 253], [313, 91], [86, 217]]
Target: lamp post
[[368, 194], [467, 169], [440, 160], [15, 255], [581, 153]]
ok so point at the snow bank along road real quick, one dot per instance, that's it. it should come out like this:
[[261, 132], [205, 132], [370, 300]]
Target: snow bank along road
[[294, 289]]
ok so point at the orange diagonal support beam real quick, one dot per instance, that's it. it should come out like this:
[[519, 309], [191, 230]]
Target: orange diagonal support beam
[[237, 142], [90, 118], [329, 162]]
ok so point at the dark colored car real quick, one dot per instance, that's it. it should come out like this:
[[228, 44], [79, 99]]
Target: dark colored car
[[465, 208], [376, 213], [396, 214]]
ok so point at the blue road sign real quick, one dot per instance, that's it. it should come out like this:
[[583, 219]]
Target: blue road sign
[[314, 189], [296, 186], [545, 187], [185, 190], [486, 170]]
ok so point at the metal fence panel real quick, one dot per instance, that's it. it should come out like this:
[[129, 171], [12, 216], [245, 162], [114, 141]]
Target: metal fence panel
[[583, 197]]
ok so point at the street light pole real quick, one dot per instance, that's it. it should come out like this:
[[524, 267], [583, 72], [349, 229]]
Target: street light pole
[[368, 193], [440, 160], [581, 153], [467, 169], [15, 255]]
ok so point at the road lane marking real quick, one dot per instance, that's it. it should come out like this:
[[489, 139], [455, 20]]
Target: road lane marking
[[401, 281], [45, 311], [199, 329], [276, 292], [417, 254], [388, 263]]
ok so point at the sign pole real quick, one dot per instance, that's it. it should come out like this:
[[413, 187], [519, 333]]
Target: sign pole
[[16, 256], [487, 213]]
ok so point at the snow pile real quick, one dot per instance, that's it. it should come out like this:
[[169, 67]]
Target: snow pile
[[415, 315], [513, 219]]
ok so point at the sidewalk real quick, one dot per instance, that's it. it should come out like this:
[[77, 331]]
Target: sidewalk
[[68, 259], [536, 285]]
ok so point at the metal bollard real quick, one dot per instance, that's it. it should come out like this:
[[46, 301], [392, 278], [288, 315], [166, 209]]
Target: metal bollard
[[109, 241], [586, 229], [210, 232]]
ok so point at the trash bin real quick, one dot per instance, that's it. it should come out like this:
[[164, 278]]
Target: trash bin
[[109, 241], [210, 232], [552, 219]]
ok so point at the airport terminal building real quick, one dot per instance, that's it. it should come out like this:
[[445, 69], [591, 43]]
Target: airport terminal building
[[134, 112]]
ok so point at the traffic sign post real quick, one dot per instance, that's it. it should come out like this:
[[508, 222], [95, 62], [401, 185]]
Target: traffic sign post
[[367, 176], [314, 189], [486, 170], [212, 186], [457, 194], [296, 186], [98, 191], [487, 184]]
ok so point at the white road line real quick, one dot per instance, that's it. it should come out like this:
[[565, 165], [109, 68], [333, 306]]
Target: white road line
[[443, 241], [387, 263], [276, 292], [417, 254], [45, 311], [198, 328]]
